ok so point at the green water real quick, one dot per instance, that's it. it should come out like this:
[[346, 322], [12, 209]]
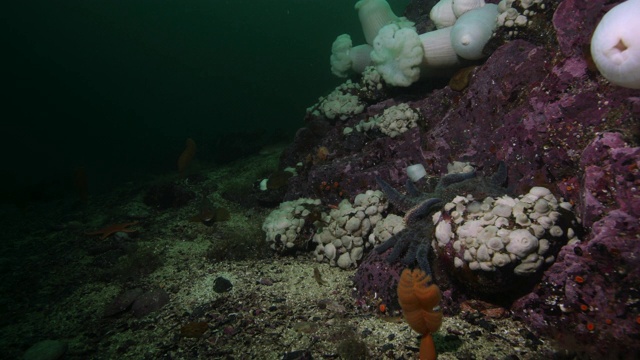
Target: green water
[[117, 86]]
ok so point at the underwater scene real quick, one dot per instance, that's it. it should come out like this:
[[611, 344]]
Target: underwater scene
[[321, 179]]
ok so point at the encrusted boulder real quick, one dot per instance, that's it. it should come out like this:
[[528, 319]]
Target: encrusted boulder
[[502, 245]]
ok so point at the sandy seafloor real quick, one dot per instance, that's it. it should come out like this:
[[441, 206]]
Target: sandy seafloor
[[61, 281]]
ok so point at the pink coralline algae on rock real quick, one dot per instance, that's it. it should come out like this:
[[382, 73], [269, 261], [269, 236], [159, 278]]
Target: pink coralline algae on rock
[[540, 106], [376, 281], [606, 261]]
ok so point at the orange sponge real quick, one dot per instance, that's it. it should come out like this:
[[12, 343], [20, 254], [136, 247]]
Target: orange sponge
[[417, 297]]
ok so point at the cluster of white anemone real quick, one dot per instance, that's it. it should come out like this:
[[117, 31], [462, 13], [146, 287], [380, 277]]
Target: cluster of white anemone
[[341, 102], [463, 28], [394, 121], [284, 224], [512, 18], [402, 55], [345, 233], [342, 235], [489, 234], [345, 100]]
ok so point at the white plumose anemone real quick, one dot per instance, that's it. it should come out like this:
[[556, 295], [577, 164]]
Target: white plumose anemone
[[472, 31], [460, 7], [397, 55], [374, 14], [615, 45], [345, 57], [442, 14]]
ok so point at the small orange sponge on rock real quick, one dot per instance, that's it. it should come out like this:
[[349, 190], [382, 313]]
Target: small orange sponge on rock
[[417, 297]]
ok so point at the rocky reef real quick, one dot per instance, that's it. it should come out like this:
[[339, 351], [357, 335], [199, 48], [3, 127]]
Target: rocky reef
[[539, 105]]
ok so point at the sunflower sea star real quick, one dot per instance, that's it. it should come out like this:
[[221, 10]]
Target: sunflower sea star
[[414, 242]]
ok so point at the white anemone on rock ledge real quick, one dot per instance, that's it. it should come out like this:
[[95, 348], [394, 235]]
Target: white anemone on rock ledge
[[615, 45], [374, 14], [473, 30]]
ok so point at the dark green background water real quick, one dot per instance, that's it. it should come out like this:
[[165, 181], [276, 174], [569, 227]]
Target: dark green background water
[[117, 86]]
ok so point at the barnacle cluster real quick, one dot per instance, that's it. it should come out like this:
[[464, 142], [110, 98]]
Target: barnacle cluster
[[340, 235], [345, 233], [499, 239]]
